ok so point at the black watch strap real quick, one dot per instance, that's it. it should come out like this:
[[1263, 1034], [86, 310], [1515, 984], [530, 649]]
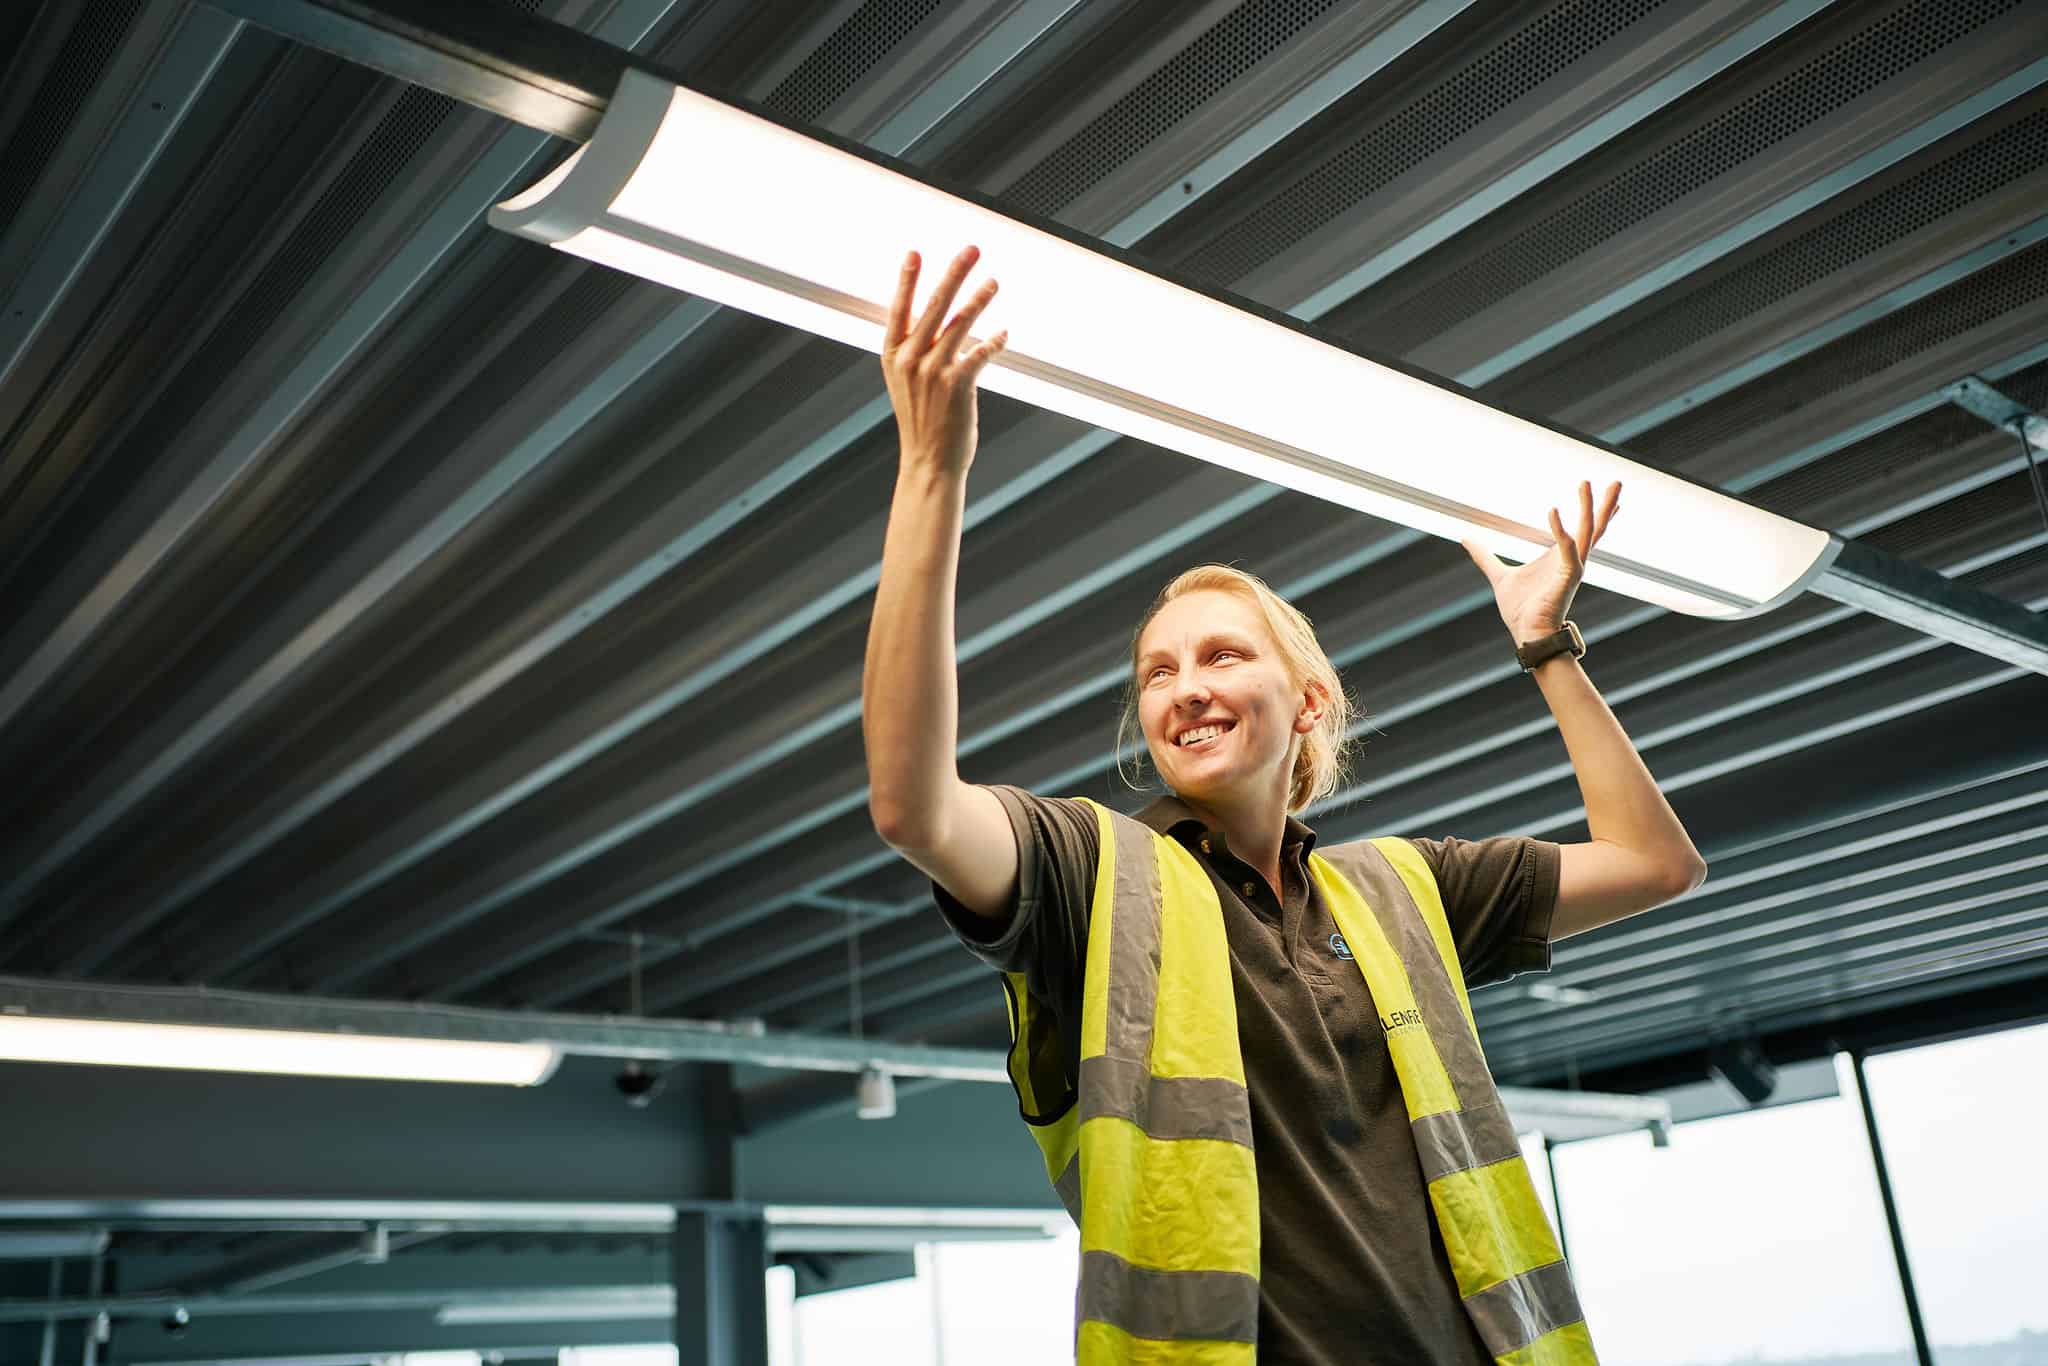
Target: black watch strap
[[1566, 640]]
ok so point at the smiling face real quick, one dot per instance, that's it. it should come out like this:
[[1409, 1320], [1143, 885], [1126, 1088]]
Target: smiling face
[[1222, 716]]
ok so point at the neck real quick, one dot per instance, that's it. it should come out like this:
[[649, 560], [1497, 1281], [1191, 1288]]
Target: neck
[[1255, 825]]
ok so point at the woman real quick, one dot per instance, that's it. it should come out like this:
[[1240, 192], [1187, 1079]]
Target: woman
[[1310, 1165]]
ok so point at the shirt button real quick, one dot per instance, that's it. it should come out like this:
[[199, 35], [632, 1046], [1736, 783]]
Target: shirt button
[[1205, 846], [1249, 888]]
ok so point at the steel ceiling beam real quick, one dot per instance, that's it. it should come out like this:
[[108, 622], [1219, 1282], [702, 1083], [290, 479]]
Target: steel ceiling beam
[[1920, 599], [533, 71], [586, 1035]]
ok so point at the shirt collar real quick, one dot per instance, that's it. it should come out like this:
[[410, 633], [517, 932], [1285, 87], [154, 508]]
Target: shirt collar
[[1169, 815]]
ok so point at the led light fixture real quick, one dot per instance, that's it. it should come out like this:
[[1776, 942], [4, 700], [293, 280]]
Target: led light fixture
[[29, 1038], [698, 194], [875, 1095]]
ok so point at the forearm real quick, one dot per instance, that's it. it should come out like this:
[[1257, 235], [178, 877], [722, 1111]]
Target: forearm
[[910, 710], [1624, 806]]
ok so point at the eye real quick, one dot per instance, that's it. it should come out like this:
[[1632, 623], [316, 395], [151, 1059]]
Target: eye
[[1153, 677], [1226, 654]]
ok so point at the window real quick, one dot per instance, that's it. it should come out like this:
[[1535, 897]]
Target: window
[[888, 1324], [1006, 1304], [1755, 1235], [1963, 1127]]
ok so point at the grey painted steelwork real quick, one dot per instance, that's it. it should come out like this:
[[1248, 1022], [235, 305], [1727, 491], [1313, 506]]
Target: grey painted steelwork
[[664, 1040], [376, 674], [515, 66], [1911, 595], [591, 1036]]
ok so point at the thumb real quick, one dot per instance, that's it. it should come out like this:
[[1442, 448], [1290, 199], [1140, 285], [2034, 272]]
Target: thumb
[[1489, 563]]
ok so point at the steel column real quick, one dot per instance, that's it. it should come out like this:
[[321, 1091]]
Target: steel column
[[721, 1275]]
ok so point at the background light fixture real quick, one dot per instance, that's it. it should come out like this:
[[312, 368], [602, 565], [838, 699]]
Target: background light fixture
[[698, 194], [205, 1048], [1742, 1064], [875, 1095]]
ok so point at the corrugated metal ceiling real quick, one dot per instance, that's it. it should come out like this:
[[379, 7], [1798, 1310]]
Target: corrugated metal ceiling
[[398, 609]]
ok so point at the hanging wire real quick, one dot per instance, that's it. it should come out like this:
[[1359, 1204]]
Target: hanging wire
[[853, 966], [635, 976], [2019, 429]]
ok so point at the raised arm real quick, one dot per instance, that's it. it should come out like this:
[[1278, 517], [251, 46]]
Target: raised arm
[[956, 832], [1640, 855]]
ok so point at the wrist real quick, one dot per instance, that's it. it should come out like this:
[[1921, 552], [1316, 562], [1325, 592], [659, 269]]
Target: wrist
[[928, 476], [1532, 652]]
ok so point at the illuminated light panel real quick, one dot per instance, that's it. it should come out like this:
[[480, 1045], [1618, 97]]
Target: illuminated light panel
[[699, 195], [206, 1048]]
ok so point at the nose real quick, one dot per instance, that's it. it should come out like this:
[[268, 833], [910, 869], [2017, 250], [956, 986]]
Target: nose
[[1190, 690]]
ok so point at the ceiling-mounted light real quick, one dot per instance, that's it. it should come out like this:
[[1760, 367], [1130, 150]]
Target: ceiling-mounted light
[[875, 1095], [30, 1038], [698, 194]]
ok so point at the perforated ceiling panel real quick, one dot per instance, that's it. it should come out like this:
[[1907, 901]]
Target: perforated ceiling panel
[[869, 34], [1421, 127], [95, 35], [1223, 54], [1947, 187], [1792, 104], [398, 137], [2018, 283], [1871, 462]]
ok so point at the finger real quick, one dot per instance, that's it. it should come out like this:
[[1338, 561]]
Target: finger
[[899, 310], [1608, 507], [977, 359], [950, 341], [1567, 550], [1489, 563], [941, 302], [1584, 542]]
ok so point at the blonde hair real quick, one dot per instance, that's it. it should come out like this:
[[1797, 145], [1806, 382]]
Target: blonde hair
[[1320, 763]]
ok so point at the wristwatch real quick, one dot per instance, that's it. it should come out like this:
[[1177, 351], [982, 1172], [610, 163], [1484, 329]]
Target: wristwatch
[[1565, 640]]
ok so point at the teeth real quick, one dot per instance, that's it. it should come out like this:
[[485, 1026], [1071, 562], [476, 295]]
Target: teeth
[[1199, 733]]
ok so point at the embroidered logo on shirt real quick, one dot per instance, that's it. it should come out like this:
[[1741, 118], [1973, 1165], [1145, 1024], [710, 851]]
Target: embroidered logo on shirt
[[1339, 947]]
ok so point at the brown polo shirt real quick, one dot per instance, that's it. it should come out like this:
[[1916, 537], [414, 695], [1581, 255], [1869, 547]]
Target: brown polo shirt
[[1353, 1269]]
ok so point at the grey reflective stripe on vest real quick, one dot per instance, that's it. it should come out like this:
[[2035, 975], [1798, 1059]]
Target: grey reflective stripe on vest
[[1142, 1301], [1483, 1117], [1068, 1188], [1165, 1107], [1133, 989], [1452, 1143], [1479, 1133], [1522, 1309], [1168, 1305]]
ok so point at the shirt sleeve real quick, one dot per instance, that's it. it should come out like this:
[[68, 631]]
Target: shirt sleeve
[[1045, 936], [1498, 896]]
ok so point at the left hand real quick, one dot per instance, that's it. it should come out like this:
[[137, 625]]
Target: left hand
[[1535, 597]]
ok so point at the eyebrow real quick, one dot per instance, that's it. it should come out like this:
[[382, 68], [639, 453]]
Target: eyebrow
[[1230, 638]]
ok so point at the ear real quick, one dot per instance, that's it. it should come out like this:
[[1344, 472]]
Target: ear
[[1311, 713]]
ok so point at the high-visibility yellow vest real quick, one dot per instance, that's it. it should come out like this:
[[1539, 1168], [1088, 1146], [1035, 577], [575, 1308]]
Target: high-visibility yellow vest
[[1151, 1151]]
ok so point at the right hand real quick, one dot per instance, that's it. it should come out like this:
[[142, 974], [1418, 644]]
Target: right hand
[[931, 380]]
